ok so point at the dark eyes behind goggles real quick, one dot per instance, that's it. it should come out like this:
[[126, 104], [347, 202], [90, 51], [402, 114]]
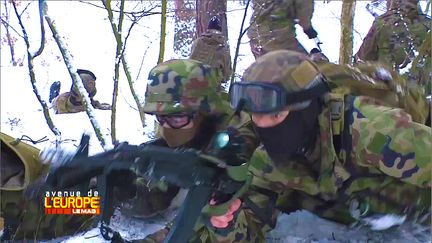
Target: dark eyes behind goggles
[[176, 121]]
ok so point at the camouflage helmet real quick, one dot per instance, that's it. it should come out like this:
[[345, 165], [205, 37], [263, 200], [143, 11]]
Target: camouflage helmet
[[183, 85], [294, 71], [89, 81]]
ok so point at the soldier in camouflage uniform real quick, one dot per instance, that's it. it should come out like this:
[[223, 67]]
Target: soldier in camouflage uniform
[[378, 162], [183, 96], [396, 37], [212, 49], [272, 25], [22, 174], [70, 102]]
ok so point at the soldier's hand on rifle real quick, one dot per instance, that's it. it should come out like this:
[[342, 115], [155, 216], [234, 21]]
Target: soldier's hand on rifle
[[311, 32], [223, 221]]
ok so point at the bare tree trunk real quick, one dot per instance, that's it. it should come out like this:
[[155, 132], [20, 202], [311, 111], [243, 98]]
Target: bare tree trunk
[[117, 31], [241, 34], [208, 8], [30, 57], [163, 32], [120, 56], [76, 79], [346, 41], [184, 28]]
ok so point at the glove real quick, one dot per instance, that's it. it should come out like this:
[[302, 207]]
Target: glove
[[311, 33], [224, 220]]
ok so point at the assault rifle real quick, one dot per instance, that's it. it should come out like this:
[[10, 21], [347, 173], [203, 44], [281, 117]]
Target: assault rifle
[[220, 169]]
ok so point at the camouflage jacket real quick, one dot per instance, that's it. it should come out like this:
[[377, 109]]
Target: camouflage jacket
[[62, 104], [272, 24], [212, 48], [383, 166], [395, 39]]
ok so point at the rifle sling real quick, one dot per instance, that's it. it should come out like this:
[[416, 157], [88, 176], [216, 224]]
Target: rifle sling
[[264, 214], [183, 229]]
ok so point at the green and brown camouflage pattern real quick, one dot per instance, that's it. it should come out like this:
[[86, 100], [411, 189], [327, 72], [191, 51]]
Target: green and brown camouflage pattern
[[70, 102], [272, 25], [212, 49], [62, 104], [389, 169], [22, 176], [247, 227], [386, 170], [184, 85], [395, 39], [377, 80]]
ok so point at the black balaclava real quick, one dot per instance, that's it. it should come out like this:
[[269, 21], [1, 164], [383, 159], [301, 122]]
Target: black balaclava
[[294, 136]]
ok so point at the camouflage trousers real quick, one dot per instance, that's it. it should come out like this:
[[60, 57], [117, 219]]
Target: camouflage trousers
[[263, 40]]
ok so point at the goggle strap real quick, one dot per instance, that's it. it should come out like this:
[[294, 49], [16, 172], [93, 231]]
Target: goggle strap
[[308, 94]]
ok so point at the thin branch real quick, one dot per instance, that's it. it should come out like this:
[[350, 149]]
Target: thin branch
[[239, 41], [42, 44], [7, 25], [141, 13], [25, 9], [124, 62], [45, 109], [143, 58]]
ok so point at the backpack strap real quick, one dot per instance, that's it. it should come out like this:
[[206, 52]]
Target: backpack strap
[[337, 107]]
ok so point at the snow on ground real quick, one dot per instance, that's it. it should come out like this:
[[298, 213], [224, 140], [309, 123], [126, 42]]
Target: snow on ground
[[90, 40]]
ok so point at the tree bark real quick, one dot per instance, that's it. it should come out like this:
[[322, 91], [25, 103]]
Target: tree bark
[[184, 28], [163, 32], [208, 8], [346, 40]]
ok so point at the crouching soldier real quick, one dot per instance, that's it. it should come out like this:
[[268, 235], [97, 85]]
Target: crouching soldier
[[378, 162], [70, 102], [183, 96]]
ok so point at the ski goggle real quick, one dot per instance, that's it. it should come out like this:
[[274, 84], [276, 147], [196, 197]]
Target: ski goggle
[[177, 120], [259, 97]]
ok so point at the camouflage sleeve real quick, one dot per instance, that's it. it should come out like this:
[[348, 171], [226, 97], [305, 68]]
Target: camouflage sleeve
[[303, 12], [368, 51], [102, 106], [387, 139], [243, 124]]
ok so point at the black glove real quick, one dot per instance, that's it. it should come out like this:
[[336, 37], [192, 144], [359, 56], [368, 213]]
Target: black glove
[[311, 33]]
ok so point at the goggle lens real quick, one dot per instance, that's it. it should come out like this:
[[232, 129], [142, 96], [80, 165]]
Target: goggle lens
[[256, 98], [175, 121]]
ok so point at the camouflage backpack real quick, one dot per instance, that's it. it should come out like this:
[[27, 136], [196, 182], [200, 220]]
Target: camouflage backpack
[[212, 49], [24, 217], [377, 81]]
